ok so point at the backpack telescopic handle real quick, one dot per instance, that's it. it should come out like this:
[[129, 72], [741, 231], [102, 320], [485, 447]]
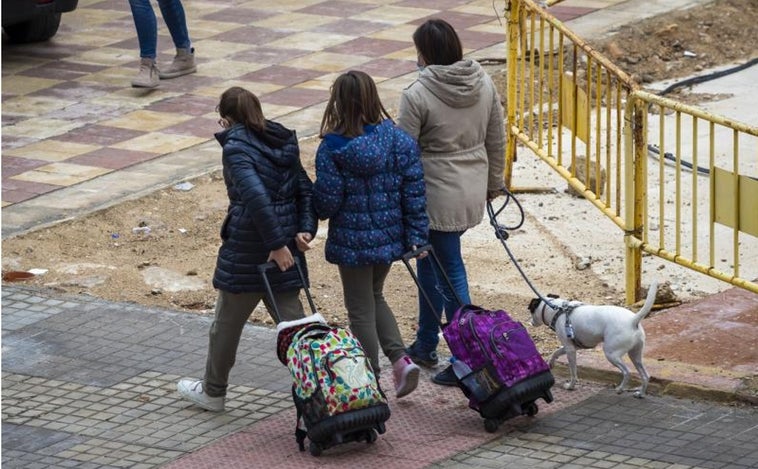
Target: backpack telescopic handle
[[263, 269], [438, 265]]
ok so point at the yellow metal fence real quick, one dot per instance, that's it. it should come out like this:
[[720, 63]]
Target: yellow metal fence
[[591, 123], [701, 203]]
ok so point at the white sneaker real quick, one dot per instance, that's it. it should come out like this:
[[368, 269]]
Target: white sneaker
[[192, 390]]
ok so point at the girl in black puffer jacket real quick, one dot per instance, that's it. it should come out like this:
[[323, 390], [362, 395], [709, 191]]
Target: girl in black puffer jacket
[[270, 218]]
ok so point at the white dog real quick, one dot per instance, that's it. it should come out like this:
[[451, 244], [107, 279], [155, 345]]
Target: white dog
[[617, 328]]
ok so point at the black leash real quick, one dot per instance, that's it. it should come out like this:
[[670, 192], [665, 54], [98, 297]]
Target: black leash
[[501, 232]]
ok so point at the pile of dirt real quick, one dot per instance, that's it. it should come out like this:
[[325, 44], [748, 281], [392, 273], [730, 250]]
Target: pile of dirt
[[685, 43]]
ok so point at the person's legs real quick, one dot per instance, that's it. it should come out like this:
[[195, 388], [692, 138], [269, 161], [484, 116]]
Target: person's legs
[[232, 312], [428, 319], [184, 60], [147, 27], [288, 303], [358, 293], [447, 246], [147, 35], [390, 339], [176, 21], [404, 372]]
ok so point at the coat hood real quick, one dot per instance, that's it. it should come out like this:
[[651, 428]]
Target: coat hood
[[272, 141], [365, 154], [457, 85]]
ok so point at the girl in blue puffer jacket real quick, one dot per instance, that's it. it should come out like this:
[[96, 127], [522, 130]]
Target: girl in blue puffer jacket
[[370, 185], [269, 219]]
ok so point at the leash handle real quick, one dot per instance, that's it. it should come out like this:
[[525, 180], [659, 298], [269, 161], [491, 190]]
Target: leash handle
[[436, 264], [263, 269]]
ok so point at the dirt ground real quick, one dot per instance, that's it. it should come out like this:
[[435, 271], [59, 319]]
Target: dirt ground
[[685, 43], [111, 255]]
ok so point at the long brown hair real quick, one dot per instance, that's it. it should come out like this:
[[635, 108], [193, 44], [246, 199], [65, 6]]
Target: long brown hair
[[240, 105], [354, 102]]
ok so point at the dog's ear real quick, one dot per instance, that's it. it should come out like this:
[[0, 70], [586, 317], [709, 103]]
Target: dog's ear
[[553, 296], [533, 304]]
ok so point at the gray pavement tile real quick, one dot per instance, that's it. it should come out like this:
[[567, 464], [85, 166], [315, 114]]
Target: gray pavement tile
[[96, 376], [615, 431], [24, 438], [114, 343]]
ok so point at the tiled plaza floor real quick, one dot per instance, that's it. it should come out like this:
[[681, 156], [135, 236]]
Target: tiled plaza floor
[[69, 114]]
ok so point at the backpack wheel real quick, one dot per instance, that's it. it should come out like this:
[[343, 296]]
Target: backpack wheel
[[314, 449], [531, 409], [491, 425], [370, 436]]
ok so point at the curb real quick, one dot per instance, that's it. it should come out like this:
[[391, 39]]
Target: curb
[[733, 390]]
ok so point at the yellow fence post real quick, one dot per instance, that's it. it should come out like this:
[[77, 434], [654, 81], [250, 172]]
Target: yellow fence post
[[513, 42], [636, 178]]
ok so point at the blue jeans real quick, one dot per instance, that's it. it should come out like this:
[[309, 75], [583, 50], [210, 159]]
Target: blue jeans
[[447, 247], [147, 26]]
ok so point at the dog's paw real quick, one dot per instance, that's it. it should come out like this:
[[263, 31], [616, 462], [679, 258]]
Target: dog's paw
[[639, 395], [568, 386]]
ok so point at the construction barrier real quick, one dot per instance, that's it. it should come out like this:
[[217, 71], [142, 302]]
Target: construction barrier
[[701, 205], [590, 122]]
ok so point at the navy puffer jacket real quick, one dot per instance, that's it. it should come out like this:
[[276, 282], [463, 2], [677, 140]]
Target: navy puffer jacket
[[371, 188], [270, 201]]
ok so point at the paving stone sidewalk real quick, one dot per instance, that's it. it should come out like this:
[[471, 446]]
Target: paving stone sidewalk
[[91, 384]]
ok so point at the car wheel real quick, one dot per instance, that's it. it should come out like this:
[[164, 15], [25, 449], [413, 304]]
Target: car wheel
[[37, 29]]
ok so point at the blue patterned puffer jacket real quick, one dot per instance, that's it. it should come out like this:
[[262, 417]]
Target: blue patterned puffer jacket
[[269, 203], [371, 188]]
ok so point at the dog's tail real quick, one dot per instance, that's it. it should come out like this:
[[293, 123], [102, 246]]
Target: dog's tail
[[648, 306]]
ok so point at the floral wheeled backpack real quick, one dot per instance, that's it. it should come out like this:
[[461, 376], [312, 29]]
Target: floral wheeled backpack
[[335, 391]]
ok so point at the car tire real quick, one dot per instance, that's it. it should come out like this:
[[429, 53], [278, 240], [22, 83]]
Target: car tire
[[37, 29]]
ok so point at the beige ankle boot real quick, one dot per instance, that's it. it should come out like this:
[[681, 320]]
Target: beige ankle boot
[[148, 74], [183, 64]]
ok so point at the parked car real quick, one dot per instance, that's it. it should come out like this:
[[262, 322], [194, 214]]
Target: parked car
[[33, 20]]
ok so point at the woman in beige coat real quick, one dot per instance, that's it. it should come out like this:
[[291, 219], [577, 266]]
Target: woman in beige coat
[[454, 111]]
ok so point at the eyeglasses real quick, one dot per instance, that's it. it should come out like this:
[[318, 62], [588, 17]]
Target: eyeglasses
[[223, 122]]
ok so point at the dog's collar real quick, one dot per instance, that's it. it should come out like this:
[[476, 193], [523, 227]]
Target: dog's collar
[[558, 311], [542, 315]]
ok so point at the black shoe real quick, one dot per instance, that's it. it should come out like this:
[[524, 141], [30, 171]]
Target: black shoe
[[420, 357], [445, 377]]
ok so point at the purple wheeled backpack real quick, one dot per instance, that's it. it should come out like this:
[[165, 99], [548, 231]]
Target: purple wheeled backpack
[[497, 365], [504, 373]]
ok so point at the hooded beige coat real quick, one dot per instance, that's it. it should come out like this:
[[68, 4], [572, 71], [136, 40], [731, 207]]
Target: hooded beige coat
[[455, 113]]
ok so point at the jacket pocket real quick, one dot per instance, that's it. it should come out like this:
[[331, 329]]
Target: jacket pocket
[[225, 226]]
